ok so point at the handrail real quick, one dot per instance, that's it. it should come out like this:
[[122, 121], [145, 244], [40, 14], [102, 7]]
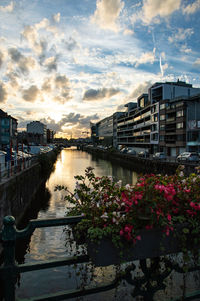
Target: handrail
[[10, 270]]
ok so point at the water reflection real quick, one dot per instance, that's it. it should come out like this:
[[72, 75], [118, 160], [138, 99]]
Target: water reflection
[[50, 243]]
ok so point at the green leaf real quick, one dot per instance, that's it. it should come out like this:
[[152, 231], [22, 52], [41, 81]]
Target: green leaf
[[185, 230]]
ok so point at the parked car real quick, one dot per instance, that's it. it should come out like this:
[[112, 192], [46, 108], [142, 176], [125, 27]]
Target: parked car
[[131, 152], [188, 157], [143, 154], [124, 150], [159, 156]]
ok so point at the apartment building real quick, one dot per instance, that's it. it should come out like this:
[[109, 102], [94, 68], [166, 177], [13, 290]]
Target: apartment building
[[162, 120], [180, 125], [8, 130], [133, 129], [105, 131], [141, 126], [38, 129]]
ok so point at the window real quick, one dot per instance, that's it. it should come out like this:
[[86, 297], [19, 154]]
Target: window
[[162, 117], [179, 113], [162, 127], [162, 138], [179, 125], [155, 117], [162, 106]]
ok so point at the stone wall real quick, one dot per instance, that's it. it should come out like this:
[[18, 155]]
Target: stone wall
[[140, 165], [17, 192]]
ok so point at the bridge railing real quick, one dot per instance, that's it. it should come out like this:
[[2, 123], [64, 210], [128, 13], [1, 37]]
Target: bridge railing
[[10, 269]]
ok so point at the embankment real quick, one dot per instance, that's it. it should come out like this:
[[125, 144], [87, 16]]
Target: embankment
[[140, 165], [17, 192]]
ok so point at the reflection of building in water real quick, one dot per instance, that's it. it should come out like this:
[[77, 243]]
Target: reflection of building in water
[[126, 175]]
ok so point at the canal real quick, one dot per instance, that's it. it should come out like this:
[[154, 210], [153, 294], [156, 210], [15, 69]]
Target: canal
[[50, 243]]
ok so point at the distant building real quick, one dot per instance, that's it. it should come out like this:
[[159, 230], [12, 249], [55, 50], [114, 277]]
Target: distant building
[[38, 131], [50, 136], [105, 131], [8, 130]]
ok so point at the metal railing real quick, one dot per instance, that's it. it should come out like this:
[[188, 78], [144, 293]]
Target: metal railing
[[10, 269], [13, 167]]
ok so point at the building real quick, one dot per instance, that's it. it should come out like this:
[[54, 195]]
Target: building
[[8, 131], [166, 119], [180, 125], [134, 128], [105, 131], [38, 130], [50, 136], [152, 124]]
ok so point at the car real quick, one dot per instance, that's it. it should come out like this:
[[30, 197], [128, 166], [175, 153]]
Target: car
[[131, 152], [143, 154], [124, 150], [188, 157], [159, 156]]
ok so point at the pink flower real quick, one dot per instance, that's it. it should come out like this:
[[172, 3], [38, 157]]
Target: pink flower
[[169, 217], [138, 237], [148, 227], [121, 232]]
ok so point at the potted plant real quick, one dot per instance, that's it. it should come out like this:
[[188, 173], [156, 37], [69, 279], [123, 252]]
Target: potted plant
[[159, 215]]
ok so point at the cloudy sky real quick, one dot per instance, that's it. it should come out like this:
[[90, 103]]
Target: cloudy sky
[[67, 63]]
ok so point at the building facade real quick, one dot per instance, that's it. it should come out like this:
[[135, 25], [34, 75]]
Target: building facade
[[180, 125], [8, 131], [166, 119], [39, 129]]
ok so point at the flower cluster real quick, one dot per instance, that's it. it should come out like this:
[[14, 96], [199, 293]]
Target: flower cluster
[[120, 212]]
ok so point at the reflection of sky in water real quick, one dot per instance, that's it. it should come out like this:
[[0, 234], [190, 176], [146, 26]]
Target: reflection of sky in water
[[49, 243]]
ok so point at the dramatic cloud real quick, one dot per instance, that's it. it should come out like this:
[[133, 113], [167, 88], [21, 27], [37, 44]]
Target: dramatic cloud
[[72, 119], [51, 64], [1, 58], [62, 84], [138, 90], [153, 10], [106, 14], [71, 44], [30, 33], [13, 81], [57, 87], [7, 9], [100, 94], [147, 57], [47, 85], [192, 8], [31, 93], [3, 92], [181, 35], [56, 18], [185, 49], [24, 63]]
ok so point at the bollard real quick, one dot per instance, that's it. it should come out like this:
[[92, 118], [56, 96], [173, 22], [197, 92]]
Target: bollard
[[9, 238]]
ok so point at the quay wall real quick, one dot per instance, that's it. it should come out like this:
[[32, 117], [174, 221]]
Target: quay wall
[[17, 192], [140, 165]]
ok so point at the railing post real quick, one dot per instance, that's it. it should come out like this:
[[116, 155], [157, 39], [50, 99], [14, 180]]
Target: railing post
[[9, 238]]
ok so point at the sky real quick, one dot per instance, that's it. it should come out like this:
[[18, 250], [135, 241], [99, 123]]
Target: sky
[[68, 63]]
